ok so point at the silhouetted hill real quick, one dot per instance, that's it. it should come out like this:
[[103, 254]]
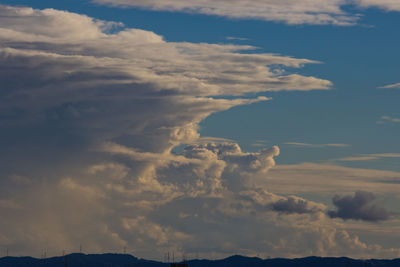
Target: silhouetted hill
[[124, 260]]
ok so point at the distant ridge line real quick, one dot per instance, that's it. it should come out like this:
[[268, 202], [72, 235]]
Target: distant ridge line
[[126, 260]]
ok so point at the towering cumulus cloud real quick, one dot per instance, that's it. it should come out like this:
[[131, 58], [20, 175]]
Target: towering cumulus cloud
[[89, 117]]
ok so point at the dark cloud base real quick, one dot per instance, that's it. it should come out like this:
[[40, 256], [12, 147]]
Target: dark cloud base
[[359, 207]]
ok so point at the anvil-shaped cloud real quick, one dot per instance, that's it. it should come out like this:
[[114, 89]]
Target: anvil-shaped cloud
[[89, 117]]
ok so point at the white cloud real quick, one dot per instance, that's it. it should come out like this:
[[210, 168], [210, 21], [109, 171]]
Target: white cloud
[[53, 24], [289, 11], [391, 86], [389, 5]]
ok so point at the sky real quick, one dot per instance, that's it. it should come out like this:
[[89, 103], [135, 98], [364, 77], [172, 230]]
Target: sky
[[201, 127]]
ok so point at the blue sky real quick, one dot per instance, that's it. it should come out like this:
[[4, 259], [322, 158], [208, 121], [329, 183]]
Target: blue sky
[[169, 88]]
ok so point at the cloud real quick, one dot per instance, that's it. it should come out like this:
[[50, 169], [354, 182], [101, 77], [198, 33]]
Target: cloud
[[388, 119], [298, 12], [368, 157], [391, 86], [387, 155], [328, 179], [359, 158], [315, 233], [209, 139], [358, 207], [89, 119], [388, 5], [260, 143], [294, 204], [315, 145], [290, 12], [231, 38]]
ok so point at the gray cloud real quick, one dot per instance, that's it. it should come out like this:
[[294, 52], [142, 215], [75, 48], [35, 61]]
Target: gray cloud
[[294, 204], [359, 207], [290, 12]]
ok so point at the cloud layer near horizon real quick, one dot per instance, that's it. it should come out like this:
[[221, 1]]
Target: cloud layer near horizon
[[289, 11], [89, 117]]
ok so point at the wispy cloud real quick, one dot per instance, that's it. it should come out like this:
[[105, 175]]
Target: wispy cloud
[[368, 157], [230, 38], [299, 144], [358, 158], [209, 139], [388, 119], [260, 143], [329, 179], [290, 12], [391, 86]]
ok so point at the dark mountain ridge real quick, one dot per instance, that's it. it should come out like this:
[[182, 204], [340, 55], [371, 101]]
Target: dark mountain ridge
[[125, 260]]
